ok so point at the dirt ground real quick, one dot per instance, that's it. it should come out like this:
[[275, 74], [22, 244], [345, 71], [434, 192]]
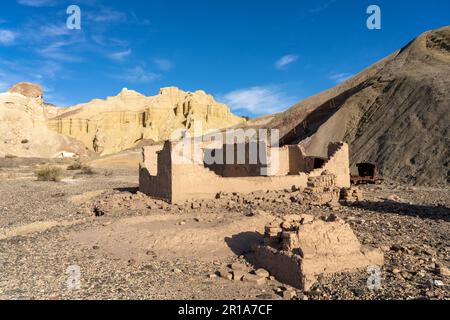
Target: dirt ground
[[129, 246]]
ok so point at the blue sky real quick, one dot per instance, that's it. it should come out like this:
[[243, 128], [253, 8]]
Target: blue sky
[[258, 56]]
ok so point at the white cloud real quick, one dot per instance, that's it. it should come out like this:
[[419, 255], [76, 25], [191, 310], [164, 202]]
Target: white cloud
[[38, 3], [31, 71], [258, 100], [7, 37], [58, 51], [283, 62], [340, 77], [55, 30], [137, 75], [164, 64], [120, 56], [136, 20], [102, 40], [106, 15]]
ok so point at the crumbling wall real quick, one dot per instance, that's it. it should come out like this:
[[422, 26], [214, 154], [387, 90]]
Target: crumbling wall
[[198, 182], [321, 190], [176, 181], [155, 172], [291, 160], [239, 160], [338, 164], [297, 161]]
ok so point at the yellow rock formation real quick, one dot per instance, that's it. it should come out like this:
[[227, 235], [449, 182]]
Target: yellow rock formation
[[23, 126], [122, 122]]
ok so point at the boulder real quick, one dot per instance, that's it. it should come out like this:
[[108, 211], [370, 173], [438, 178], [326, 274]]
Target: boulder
[[29, 90]]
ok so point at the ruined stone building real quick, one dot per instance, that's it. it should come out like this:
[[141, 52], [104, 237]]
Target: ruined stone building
[[164, 176]]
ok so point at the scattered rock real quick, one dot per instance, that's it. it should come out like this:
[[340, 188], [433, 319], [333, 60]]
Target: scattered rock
[[442, 270], [238, 275], [289, 294], [225, 274], [254, 279], [238, 266], [438, 283], [262, 273]]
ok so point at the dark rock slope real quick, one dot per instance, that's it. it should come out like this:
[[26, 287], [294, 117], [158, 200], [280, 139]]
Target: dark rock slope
[[394, 114]]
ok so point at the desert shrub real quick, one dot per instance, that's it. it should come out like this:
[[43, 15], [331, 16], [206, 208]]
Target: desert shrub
[[75, 166], [108, 173], [83, 168], [49, 173], [87, 170]]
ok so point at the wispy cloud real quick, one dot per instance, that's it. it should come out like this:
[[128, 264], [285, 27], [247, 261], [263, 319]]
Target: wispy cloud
[[106, 15], [258, 100], [121, 55], [285, 61], [340, 77], [137, 74], [7, 37], [102, 40], [59, 51], [164, 64], [136, 20], [55, 30], [38, 3]]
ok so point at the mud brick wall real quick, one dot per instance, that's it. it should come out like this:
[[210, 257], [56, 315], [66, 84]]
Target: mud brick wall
[[177, 182]]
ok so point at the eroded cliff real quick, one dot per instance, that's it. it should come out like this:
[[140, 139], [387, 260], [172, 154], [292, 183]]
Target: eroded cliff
[[130, 118]]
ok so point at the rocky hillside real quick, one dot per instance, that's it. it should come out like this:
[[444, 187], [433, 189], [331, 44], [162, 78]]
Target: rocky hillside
[[130, 118], [394, 114], [23, 126]]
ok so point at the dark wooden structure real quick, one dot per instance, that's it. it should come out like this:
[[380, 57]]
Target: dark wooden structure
[[367, 174]]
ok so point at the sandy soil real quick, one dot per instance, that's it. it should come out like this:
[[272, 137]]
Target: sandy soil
[[129, 246]]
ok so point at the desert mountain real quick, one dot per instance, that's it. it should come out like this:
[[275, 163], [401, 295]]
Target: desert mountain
[[23, 125], [394, 114], [130, 118]]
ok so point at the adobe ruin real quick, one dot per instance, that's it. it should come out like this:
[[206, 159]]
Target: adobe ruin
[[163, 176], [299, 248]]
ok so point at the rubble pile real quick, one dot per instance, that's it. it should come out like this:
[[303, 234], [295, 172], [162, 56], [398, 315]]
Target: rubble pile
[[322, 190], [351, 196]]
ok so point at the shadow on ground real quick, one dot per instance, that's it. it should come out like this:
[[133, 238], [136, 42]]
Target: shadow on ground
[[242, 243], [132, 190]]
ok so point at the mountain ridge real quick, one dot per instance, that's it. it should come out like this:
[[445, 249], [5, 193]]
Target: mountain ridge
[[393, 114]]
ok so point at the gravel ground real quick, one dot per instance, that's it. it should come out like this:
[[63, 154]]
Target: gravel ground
[[411, 225]]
